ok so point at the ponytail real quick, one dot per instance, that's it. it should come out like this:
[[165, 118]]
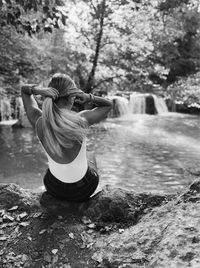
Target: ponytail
[[61, 127]]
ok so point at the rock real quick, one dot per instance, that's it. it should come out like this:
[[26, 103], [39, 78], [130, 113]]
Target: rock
[[150, 105], [117, 205], [142, 229], [12, 195]]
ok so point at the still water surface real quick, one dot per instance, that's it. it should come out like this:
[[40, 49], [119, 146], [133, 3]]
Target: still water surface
[[139, 152]]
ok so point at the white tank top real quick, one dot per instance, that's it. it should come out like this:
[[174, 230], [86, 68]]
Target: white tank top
[[70, 172]]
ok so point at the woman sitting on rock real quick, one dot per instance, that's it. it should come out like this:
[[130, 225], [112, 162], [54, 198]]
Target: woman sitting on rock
[[62, 134]]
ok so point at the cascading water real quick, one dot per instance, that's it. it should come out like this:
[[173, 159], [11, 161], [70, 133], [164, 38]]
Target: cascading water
[[6, 113], [5, 110], [121, 106], [137, 104], [160, 105]]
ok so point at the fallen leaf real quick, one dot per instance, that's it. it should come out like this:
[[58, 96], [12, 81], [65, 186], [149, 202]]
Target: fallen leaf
[[24, 223], [37, 214], [90, 244], [54, 251], [91, 225], [7, 217], [71, 235], [42, 231], [17, 218], [3, 238], [22, 215], [90, 231], [29, 238], [2, 212], [13, 208], [85, 220]]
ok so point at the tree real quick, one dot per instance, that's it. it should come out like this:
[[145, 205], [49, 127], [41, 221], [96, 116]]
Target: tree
[[14, 12], [176, 40]]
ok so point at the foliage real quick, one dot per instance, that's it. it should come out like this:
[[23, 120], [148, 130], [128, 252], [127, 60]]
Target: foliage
[[105, 45], [176, 40], [186, 89], [14, 12]]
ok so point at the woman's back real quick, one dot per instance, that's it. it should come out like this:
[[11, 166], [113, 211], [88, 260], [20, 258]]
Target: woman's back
[[68, 154], [69, 167]]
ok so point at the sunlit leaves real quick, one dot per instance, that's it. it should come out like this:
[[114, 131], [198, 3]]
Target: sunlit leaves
[[14, 13]]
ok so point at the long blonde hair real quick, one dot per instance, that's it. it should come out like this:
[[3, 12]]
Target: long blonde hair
[[61, 127]]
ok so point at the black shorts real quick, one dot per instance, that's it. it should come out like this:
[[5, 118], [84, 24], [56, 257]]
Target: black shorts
[[77, 191]]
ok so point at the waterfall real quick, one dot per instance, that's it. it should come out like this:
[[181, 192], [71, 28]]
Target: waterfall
[[137, 103], [5, 110], [160, 105], [120, 106], [20, 113], [19, 108]]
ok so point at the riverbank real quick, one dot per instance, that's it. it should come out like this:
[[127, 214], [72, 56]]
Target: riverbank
[[116, 228]]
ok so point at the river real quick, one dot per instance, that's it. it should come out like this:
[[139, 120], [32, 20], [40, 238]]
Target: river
[[151, 153]]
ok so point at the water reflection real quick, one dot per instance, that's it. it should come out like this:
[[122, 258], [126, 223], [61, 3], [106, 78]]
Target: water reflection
[[139, 152]]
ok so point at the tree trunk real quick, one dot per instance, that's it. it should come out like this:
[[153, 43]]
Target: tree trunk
[[90, 81]]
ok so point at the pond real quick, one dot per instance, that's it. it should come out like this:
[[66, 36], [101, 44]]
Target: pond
[[138, 152]]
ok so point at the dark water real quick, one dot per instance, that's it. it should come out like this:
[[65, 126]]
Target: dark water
[[141, 153]]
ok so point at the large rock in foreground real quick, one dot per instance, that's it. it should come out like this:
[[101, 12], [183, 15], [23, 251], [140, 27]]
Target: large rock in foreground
[[115, 228]]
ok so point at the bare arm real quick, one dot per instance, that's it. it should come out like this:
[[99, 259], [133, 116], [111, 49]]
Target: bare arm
[[97, 114], [33, 112]]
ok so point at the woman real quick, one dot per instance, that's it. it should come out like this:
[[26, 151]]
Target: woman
[[62, 134]]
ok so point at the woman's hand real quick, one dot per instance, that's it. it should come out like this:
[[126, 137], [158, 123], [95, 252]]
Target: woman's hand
[[46, 92], [81, 97]]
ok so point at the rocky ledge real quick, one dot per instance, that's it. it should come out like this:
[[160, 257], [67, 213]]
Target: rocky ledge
[[115, 228]]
